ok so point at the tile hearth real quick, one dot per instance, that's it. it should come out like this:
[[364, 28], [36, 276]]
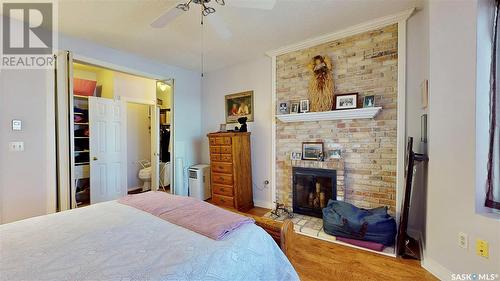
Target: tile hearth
[[313, 227]]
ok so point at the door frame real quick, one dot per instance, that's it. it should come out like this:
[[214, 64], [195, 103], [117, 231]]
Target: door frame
[[64, 180], [153, 124]]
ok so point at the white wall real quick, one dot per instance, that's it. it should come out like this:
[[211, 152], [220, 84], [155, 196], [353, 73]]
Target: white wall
[[24, 176], [138, 141], [256, 76], [417, 71], [451, 181]]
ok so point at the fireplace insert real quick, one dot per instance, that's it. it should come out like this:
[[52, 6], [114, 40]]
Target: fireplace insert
[[312, 188]]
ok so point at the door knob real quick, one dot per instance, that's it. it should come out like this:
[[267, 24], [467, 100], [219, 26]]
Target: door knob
[[94, 158]]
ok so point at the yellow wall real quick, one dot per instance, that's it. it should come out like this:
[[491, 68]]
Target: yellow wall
[[104, 77], [165, 96]]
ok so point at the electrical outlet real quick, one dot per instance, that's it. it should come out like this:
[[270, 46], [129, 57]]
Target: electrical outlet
[[463, 240], [482, 248], [16, 146]]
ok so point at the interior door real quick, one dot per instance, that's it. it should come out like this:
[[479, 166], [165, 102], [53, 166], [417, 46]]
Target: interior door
[[155, 147], [108, 148]]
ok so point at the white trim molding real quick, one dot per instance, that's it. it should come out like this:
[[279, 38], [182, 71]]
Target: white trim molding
[[400, 19], [353, 30], [436, 269], [273, 128], [349, 114]]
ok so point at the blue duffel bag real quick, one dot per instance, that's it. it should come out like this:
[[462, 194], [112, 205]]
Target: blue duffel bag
[[346, 220]]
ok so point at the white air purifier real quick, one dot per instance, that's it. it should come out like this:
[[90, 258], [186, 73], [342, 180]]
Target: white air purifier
[[199, 182]]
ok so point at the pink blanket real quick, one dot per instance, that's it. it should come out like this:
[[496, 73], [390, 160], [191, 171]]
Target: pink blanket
[[360, 243], [188, 212]]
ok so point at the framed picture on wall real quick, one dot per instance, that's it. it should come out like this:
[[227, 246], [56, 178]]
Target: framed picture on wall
[[239, 105]]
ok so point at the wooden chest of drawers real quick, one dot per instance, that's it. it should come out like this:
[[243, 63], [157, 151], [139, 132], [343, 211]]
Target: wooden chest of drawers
[[231, 170]]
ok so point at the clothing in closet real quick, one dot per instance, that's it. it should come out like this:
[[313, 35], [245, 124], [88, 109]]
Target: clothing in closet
[[165, 144]]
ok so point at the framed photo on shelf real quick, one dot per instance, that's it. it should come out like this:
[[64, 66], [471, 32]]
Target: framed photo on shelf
[[304, 106], [369, 101], [294, 107], [296, 156], [239, 105], [283, 107], [334, 154], [223, 128], [346, 101], [312, 150]]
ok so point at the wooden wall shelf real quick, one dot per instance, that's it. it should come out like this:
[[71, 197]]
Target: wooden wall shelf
[[348, 114]]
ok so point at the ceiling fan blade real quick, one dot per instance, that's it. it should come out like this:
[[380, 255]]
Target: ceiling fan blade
[[252, 4], [166, 17], [219, 25]]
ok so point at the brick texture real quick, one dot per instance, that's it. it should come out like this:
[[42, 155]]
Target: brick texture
[[367, 64]]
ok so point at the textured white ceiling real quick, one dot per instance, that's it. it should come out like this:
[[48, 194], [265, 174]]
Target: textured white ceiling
[[125, 25]]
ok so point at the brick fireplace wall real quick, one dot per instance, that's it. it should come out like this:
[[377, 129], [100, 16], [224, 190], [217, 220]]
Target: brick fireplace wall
[[365, 63]]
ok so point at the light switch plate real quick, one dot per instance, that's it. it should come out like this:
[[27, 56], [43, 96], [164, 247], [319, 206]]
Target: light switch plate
[[17, 125]]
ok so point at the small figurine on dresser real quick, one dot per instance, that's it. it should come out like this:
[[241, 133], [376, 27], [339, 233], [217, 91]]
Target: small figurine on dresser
[[243, 122]]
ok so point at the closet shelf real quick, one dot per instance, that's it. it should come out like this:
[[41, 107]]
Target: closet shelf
[[80, 97], [82, 151], [81, 137], [81, 123], [82, 163]]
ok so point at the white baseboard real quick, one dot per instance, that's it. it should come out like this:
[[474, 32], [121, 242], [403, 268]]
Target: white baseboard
[[436, 269], [263, 204]]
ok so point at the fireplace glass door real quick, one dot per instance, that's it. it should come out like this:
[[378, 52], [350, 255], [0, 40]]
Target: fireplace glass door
[[312, 188]]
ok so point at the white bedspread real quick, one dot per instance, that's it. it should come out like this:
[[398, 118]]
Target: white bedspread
[[111, 241]]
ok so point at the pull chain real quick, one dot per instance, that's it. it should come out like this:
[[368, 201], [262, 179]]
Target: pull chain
[[202, 44]]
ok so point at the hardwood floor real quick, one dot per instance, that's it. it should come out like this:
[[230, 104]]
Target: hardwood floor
[[314, 259]]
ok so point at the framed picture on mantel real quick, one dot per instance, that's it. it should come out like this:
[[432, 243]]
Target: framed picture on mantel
[[346, 101]]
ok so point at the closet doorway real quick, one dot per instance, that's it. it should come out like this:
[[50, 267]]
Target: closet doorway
[[115, 133]]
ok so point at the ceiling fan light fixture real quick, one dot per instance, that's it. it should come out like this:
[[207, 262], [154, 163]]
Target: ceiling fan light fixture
[[208, 10], [220, 2]]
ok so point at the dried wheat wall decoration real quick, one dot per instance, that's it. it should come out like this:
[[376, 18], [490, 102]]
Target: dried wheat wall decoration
[[321, 84]]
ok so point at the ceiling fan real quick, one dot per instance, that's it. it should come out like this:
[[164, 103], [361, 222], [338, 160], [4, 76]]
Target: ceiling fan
[[208, 11]]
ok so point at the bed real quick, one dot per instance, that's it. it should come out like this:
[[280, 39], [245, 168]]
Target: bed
[[113, 241]]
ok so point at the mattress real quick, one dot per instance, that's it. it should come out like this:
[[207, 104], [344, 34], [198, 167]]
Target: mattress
[[112, 241]]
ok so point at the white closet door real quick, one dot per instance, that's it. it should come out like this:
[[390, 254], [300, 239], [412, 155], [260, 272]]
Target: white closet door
[[64, 141], [108, 150], [155, 147]]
